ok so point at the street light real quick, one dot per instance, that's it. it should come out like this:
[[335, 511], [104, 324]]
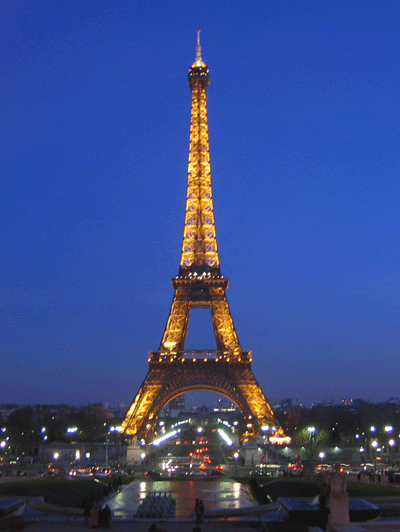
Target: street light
[[375, 444], [389, 429], [2, 446], [392, 443], [311, 431], [236, 457]]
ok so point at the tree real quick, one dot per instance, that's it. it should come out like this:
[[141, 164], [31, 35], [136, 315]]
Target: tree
[[91, 421], [312, 440], [22, 429]]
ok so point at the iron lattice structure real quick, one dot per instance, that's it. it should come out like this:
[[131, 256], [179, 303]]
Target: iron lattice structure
[[199, 284]]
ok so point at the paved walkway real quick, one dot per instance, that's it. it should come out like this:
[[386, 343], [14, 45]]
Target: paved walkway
[[215, 494], [222, 494]]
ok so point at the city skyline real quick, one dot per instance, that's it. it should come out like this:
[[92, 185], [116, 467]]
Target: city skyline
[[201, 399], [303, 111]]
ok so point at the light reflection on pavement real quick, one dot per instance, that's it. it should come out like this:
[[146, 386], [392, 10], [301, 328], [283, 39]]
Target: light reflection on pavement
[[214, 494]]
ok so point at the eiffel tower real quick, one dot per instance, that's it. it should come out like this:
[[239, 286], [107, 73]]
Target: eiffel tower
[[199, 284]]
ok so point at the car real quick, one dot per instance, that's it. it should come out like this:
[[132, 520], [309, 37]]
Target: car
[[282, 472], [217, 473], [176, 472], [324, 467], [198, 473], [295, 472], [260, 473], [152, 474]]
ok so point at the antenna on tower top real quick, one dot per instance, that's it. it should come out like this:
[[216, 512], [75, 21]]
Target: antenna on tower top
[[198, 49]]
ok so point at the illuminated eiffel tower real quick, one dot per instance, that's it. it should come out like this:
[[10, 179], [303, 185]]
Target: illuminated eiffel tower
[[199, 284]]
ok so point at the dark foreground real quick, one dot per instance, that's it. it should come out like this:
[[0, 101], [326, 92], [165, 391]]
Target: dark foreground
[[170, 526]]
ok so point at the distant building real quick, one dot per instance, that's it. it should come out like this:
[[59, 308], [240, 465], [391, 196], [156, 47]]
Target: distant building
[[282, 405], [225, 405], [286, 404], [8, 408], [178, 402], [83, 453], [175, 406], [118, 411], [352, 402]]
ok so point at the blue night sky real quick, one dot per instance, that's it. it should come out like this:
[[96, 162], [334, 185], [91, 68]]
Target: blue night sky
[[304, 125]]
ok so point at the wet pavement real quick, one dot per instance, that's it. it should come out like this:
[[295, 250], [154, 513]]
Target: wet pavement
[[215, 494]]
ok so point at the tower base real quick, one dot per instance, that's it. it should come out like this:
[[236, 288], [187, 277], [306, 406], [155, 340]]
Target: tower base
[[168, 379]]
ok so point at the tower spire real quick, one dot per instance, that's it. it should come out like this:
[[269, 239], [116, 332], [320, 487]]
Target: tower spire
[[199, 249], [198, 49]]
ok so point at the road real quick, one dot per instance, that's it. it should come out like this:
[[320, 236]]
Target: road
[[193, 452]]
